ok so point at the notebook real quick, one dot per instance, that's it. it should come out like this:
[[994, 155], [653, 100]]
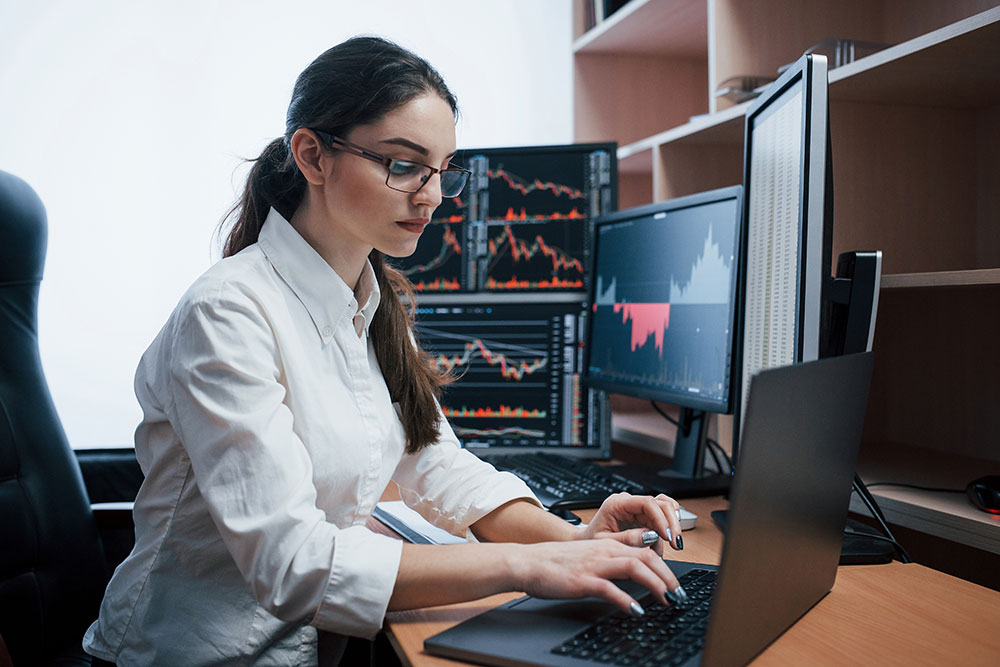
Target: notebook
[[789, 505]]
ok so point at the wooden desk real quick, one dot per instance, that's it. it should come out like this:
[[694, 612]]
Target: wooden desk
[[891, 614]]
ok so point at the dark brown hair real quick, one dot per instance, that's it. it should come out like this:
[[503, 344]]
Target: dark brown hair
[[354, 83]]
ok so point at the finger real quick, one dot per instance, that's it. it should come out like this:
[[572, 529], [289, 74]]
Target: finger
[[651, 539], [638, 537], [653, 513], [671, 509], [676, 592], [603, 588], [651, 572]]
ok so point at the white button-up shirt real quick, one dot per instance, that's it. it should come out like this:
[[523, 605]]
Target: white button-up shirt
[[267, 437]]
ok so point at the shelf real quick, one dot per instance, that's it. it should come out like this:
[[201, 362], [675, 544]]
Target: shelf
[[724, 127], [677, 28], [957, 66], [890, 76], [947, 515], [975, 278]]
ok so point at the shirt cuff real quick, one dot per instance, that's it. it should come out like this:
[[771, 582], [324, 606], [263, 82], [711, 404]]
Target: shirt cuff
[[365, 565]]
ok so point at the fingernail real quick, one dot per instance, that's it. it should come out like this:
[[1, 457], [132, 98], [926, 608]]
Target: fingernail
[[637, 610], [670, 535], [670, 596], [681, 594], [649, 537], [680, 543], [678, 514]]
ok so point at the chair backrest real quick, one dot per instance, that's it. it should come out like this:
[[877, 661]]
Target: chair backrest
[[52, 569]]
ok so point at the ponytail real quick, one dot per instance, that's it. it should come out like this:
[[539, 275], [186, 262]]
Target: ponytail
[[274, 180], [419, 387]]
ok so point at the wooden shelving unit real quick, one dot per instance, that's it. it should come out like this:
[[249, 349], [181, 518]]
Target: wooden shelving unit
[[916, 151]]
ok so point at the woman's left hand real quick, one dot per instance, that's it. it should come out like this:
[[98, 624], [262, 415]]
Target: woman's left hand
[[629, 519]]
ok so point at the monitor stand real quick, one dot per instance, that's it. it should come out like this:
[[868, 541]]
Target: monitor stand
[[686, 478]]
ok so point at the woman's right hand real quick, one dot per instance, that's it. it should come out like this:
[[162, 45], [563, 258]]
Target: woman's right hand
[[585, 568]]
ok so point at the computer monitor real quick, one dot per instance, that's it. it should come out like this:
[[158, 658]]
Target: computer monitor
[[518, 367], [788, 209], [521, 225], [793, 309], [663, 315], [500, 276]]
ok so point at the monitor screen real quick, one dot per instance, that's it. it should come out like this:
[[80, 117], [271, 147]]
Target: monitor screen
[[518, 367], [663, 300], [521, 225], [789, 221]]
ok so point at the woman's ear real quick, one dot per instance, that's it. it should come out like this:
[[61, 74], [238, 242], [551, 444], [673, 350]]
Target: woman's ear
[[308, 154]]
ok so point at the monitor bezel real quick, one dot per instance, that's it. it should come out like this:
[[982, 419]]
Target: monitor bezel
[[674, 397], [815, 213]]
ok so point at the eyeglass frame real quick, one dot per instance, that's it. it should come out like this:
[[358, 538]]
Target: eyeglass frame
[[336, 143]]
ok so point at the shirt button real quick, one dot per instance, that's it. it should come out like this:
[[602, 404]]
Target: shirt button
[[327, 331]]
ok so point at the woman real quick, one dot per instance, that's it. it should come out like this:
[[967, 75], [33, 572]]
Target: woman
[[286, 390]]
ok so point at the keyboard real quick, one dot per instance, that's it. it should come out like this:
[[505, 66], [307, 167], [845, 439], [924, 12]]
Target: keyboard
[[564, 482], [665, 635]]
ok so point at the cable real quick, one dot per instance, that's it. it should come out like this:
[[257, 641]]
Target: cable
[[664, 414], [723, 453], [917, 486], [713, 446], [876, 512], [715, 459], [873, 536]]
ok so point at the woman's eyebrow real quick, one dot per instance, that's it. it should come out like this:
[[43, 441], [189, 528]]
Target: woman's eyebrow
[[400, 141]]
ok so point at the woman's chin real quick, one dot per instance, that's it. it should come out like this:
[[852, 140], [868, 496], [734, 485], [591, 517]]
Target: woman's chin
[[399, 250]]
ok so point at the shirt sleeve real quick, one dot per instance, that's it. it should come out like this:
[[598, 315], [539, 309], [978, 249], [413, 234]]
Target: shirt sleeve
[[256, 476], [453, 488]]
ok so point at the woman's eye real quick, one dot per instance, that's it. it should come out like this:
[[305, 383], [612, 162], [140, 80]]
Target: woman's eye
[[402, 168]]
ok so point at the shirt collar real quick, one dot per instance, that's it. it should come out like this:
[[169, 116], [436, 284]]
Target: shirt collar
[[325, 295]]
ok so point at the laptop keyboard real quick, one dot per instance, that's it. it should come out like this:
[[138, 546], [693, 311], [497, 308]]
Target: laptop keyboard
[[665, 635], [564, 481]]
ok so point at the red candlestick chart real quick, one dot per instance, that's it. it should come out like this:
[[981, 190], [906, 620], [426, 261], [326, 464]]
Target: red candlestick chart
[[436, 266], [548, 255]]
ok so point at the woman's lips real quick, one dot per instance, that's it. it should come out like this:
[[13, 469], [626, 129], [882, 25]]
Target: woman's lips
[[416, 225]]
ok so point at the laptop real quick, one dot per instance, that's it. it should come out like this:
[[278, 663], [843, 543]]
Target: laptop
[[789, 506]]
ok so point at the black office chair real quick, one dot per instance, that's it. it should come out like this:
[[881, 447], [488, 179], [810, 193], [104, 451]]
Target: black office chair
[[52, 567]]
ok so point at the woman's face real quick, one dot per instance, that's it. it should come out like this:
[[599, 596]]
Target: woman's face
[[364, 210]]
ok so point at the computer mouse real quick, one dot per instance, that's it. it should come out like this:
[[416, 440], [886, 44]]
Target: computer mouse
[[984, 492]]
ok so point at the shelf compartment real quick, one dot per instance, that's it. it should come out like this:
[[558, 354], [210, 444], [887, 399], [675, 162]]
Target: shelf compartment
[[947, 515], [756, 37], [935, 383], [919, 183], [677, 28], [957, 66], [604, 93]]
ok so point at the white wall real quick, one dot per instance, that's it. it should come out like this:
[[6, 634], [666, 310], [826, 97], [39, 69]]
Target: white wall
[[130, 119]]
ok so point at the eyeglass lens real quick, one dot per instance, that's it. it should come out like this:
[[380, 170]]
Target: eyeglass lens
[[410, 177]]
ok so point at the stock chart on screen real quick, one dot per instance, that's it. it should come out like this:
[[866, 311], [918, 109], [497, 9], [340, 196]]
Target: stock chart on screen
[[662, 310], [441, 261], [517, 368], [523, 224]]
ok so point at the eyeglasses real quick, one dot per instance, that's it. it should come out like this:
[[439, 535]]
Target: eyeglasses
[[403, 175]]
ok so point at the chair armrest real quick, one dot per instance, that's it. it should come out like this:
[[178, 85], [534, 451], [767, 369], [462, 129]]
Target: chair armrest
[[112, 515], [110, 475]]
